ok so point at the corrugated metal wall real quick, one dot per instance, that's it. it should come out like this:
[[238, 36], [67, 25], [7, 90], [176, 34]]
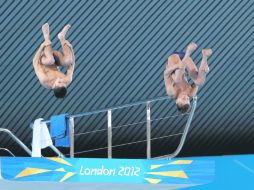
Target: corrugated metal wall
[[121, 49]]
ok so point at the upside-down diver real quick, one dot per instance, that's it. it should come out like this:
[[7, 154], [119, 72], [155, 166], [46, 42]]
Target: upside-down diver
[[47, 63], [175, 76]]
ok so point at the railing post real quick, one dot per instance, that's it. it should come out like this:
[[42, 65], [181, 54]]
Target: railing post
[[71, 125], [186, 129], [148, 130], [109, 133]]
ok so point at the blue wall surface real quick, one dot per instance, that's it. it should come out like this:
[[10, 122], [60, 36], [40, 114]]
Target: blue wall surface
[[121, 49]]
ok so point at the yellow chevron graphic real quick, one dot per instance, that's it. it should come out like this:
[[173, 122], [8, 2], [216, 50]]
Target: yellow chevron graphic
[[153, 181], [152, 167], [182, 162], [60, 170], [60, 160], [67, 176], [180, 174], [31, 171]]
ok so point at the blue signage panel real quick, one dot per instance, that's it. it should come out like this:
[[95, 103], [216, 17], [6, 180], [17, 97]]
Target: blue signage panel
[[176, 171]]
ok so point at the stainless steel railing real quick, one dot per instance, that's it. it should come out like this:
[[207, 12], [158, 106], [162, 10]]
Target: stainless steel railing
[[7, 150], [109, 112], [16, 139], [109, 129]]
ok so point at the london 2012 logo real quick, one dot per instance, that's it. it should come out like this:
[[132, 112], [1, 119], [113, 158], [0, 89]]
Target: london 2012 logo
[[106, 171]]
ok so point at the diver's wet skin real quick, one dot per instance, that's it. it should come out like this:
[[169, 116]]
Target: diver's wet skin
[[45, 31], [207, 52], [179, 66], [46, 62], [190, 48], [62, 34]]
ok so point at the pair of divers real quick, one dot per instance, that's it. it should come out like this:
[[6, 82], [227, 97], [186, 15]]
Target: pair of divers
[[47, 63]]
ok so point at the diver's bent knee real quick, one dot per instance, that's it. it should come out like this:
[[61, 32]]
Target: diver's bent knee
[[48, 61], [199, 82], [67, 61]]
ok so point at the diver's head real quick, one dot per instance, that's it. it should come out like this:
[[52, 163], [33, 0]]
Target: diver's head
[[60, 92], [183, 102], [59, 88]]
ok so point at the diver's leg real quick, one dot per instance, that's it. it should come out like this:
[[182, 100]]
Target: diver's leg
[[179, 73], [47, 58], [204, 68], [188, 62], [66, 57], [174, 60], [205, 54], [190, 48], [191, 67]]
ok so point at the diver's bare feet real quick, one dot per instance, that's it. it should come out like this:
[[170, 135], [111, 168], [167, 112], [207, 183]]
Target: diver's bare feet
[[190, 48], [207, 52], [204, 66], [45, 31], [62, 34]]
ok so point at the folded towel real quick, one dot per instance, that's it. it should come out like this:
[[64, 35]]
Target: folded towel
[[65, 141], [58, 126], [41, 137], [60, 130]]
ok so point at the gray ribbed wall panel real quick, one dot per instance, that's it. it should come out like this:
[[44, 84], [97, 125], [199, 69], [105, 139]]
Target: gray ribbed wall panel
[[121, 49]]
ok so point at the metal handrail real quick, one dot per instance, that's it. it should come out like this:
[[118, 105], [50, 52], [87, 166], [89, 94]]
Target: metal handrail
[[124, 144], [113, 108], [148, 104], [175, 153], [7, 150], [109, 111], [16, 139], [186, 129]]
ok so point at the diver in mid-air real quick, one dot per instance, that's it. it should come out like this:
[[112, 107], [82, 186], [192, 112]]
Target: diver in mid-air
[[178, 67], [47, 63]]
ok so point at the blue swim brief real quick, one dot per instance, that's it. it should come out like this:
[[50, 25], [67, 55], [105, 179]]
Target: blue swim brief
[[181, 54]]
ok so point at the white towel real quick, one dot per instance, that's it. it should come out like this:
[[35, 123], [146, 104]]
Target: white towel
[[41, 137]]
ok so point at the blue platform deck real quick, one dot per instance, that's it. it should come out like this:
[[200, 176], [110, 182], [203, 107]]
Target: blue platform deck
[[218, 172]]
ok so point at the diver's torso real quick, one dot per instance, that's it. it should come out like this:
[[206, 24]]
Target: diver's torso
[[52, 73]]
